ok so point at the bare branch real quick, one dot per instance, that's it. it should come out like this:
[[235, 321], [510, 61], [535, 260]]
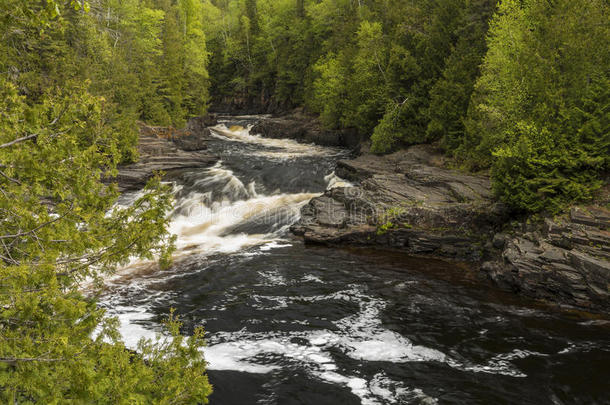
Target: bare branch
[[17, 235], [9, 178], [22, 139], [15, 360]]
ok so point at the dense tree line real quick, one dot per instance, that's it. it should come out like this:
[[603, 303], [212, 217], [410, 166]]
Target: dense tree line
[[147, 59], [507, 86], [75, 77]]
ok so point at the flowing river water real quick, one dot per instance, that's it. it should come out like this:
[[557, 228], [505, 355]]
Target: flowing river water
[[293, 324]]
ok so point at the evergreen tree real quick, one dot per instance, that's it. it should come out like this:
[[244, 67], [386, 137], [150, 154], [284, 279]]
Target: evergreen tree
[[539, 115], [61, 133]]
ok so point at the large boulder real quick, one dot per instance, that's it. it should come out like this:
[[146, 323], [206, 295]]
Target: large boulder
[[407, 201], [565, 260], [196, 135], [164, 149], [305, 129]]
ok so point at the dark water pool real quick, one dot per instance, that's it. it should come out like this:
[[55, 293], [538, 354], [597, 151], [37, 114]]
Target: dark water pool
[[291, 324]]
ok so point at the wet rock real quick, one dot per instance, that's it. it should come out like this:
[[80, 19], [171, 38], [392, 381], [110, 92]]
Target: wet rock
[[198, 124], [499, 240], [305, 129], [405, 201], [191, 141], [164, 149], [409, 201], [196, 135], [567, 261], [592, 216]]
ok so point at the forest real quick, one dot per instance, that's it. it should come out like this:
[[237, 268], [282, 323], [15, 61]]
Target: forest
[[503, 86], [518, 89]]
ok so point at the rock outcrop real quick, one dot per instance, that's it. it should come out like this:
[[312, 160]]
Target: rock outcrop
[[407, 201], [305, 129], [165, 149], [566, 260]]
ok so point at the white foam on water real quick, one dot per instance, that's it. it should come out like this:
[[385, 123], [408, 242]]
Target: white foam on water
[[499, 364], [335, 181], [271, 278], [380, 390], [238, 351], [360, 336], [310, 278], [390, 346], [203, 220], [205, 231], [274, 245], [279, 148], [395, 392], [358, 386], [206, 222], [233, 356]]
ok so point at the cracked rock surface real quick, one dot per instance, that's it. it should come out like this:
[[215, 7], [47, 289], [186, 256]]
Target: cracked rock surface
[[566, 261], [165, 149], [407, 201]]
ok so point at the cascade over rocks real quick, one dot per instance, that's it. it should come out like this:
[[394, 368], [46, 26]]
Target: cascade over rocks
[[409, 201]]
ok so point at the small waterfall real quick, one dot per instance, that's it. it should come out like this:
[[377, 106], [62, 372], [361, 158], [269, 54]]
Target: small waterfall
[[216, 212], [335, 181], [275, 148], [231, 225]]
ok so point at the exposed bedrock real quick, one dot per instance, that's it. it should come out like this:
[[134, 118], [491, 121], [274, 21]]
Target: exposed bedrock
[[165, 149], [566, 260], [408, 201], [305, 129]]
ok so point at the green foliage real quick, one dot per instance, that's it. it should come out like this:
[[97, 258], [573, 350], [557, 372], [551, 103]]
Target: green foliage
[[384, 228], [388, 132], [67, 118], [389, 219], [353, 62], [538, 172], [450, 95], [366, 87], [135, 53], [329, 91], [539, 115], [196, 58]]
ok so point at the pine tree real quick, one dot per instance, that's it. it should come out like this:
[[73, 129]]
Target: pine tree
[[60, 226]]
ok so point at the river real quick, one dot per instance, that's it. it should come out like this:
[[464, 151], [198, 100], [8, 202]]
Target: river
[[293, 324]]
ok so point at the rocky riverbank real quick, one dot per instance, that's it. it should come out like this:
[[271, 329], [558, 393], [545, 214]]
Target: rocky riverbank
[[409, 201], [165, 149], [565, 259], [305, 129]]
